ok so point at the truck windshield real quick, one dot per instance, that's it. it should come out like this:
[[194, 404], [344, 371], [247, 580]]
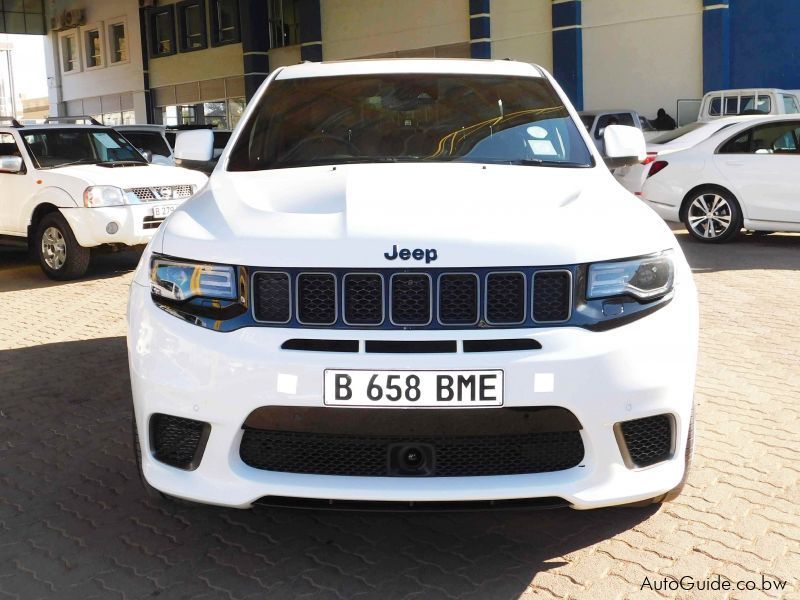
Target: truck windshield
[[409, 118], [59, 147]]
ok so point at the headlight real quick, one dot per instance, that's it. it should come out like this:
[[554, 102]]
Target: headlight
[[179, 280], [643, 278], [103, 195]]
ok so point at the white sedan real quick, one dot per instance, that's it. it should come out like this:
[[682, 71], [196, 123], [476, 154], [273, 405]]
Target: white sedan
[[744, 176], [633, 177]]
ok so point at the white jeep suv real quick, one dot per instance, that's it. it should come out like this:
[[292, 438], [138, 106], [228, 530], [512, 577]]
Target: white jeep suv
[[66, 188], [414, 282]]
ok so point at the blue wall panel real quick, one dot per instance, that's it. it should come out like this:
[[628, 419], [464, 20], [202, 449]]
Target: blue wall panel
[[765, 43], [716, 49]]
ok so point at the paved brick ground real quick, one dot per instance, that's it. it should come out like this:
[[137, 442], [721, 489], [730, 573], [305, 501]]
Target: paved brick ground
[[75, 524]]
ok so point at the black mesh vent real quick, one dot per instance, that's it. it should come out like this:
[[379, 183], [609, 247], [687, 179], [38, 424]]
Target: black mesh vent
[[363, 299], [505, 298], [458, 299], [176, 441], [551, 296], [271, 297], [649, 440], [331, 454], [411, 299], [316, 298]]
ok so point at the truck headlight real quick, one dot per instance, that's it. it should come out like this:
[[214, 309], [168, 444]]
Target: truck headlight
[[643, 278], [103, 195], [182, 280]]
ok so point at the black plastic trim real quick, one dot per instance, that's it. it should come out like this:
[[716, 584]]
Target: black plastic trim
[[316, 345], [509, 345], [413, 347]]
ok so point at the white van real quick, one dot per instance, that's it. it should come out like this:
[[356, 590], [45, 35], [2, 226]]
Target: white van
[[751, 101]]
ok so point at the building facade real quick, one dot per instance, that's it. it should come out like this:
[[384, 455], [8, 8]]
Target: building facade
[[199, 61]]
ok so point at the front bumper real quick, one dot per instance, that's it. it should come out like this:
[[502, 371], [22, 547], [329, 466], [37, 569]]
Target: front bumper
[[135, 223], [638, 370]]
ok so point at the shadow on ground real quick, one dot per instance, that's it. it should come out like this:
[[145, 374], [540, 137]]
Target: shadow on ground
[[746, 252], [75, 523], [20, 271]]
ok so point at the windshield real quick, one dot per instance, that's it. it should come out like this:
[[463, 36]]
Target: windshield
[[59, 147], [148, 140], [409, 117]]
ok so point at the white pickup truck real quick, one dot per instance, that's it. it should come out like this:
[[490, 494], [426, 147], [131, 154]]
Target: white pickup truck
[[66, 188]]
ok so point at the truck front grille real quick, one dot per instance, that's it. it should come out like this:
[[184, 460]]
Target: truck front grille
[[437, 299]]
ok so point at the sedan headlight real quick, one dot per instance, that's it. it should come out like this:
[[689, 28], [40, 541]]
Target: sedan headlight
[[103, 195], [643, 278], [181, 280]]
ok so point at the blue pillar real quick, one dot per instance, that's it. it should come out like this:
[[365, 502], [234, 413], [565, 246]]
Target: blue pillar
[[568, 49], [480, 31], [255, 44], [716, 45], [310, 30]]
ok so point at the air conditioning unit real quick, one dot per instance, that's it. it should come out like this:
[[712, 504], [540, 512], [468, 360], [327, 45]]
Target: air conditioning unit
[[57, 22], [74, 17], [146, 3]]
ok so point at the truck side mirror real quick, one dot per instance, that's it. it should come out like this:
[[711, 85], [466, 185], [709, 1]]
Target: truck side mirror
[[194, 144], [624, 145]]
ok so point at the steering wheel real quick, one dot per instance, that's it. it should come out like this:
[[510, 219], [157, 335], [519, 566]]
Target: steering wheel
[[322, 138]]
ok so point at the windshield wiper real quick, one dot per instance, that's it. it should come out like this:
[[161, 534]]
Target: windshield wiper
[[539, 162], [122, 163], [84, 161]]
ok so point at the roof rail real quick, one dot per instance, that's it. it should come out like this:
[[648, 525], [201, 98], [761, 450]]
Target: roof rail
[[73, 119], [12, 120]]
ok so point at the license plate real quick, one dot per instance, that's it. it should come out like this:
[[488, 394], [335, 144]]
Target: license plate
[[439, 389], [162, 212]]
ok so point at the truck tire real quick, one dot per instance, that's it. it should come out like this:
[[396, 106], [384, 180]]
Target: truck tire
[[60, 255]]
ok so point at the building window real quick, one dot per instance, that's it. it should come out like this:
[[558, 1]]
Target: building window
[[162, 31], [192, 22], [219, 114], [284, 23], [224, 22], [235, 110], [118, 43], [69, 53], [93, 48]]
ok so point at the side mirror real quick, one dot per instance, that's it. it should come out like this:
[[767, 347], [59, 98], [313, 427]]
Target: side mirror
[[148, 156], [10, 164], [194, 144], [625, 146]]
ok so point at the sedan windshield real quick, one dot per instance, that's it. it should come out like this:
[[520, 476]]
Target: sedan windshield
[[59, 147], [409, 117]]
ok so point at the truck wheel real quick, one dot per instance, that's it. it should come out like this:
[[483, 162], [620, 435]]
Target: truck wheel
[[60, 254]]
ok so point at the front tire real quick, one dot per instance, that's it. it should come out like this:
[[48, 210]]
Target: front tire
[[60, 255], [712, 215]]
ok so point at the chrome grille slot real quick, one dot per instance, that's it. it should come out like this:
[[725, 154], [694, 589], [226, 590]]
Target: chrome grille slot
[[411, 297]]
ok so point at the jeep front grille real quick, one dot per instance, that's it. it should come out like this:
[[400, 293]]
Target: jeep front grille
[[436, 298]]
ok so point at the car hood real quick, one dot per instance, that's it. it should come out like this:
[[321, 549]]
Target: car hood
[[471, 214], [127, 177]]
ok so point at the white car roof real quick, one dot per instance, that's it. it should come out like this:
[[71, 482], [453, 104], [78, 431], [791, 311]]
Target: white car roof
[[141, 127], [738, 91], [410, 65], [602, 111]]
